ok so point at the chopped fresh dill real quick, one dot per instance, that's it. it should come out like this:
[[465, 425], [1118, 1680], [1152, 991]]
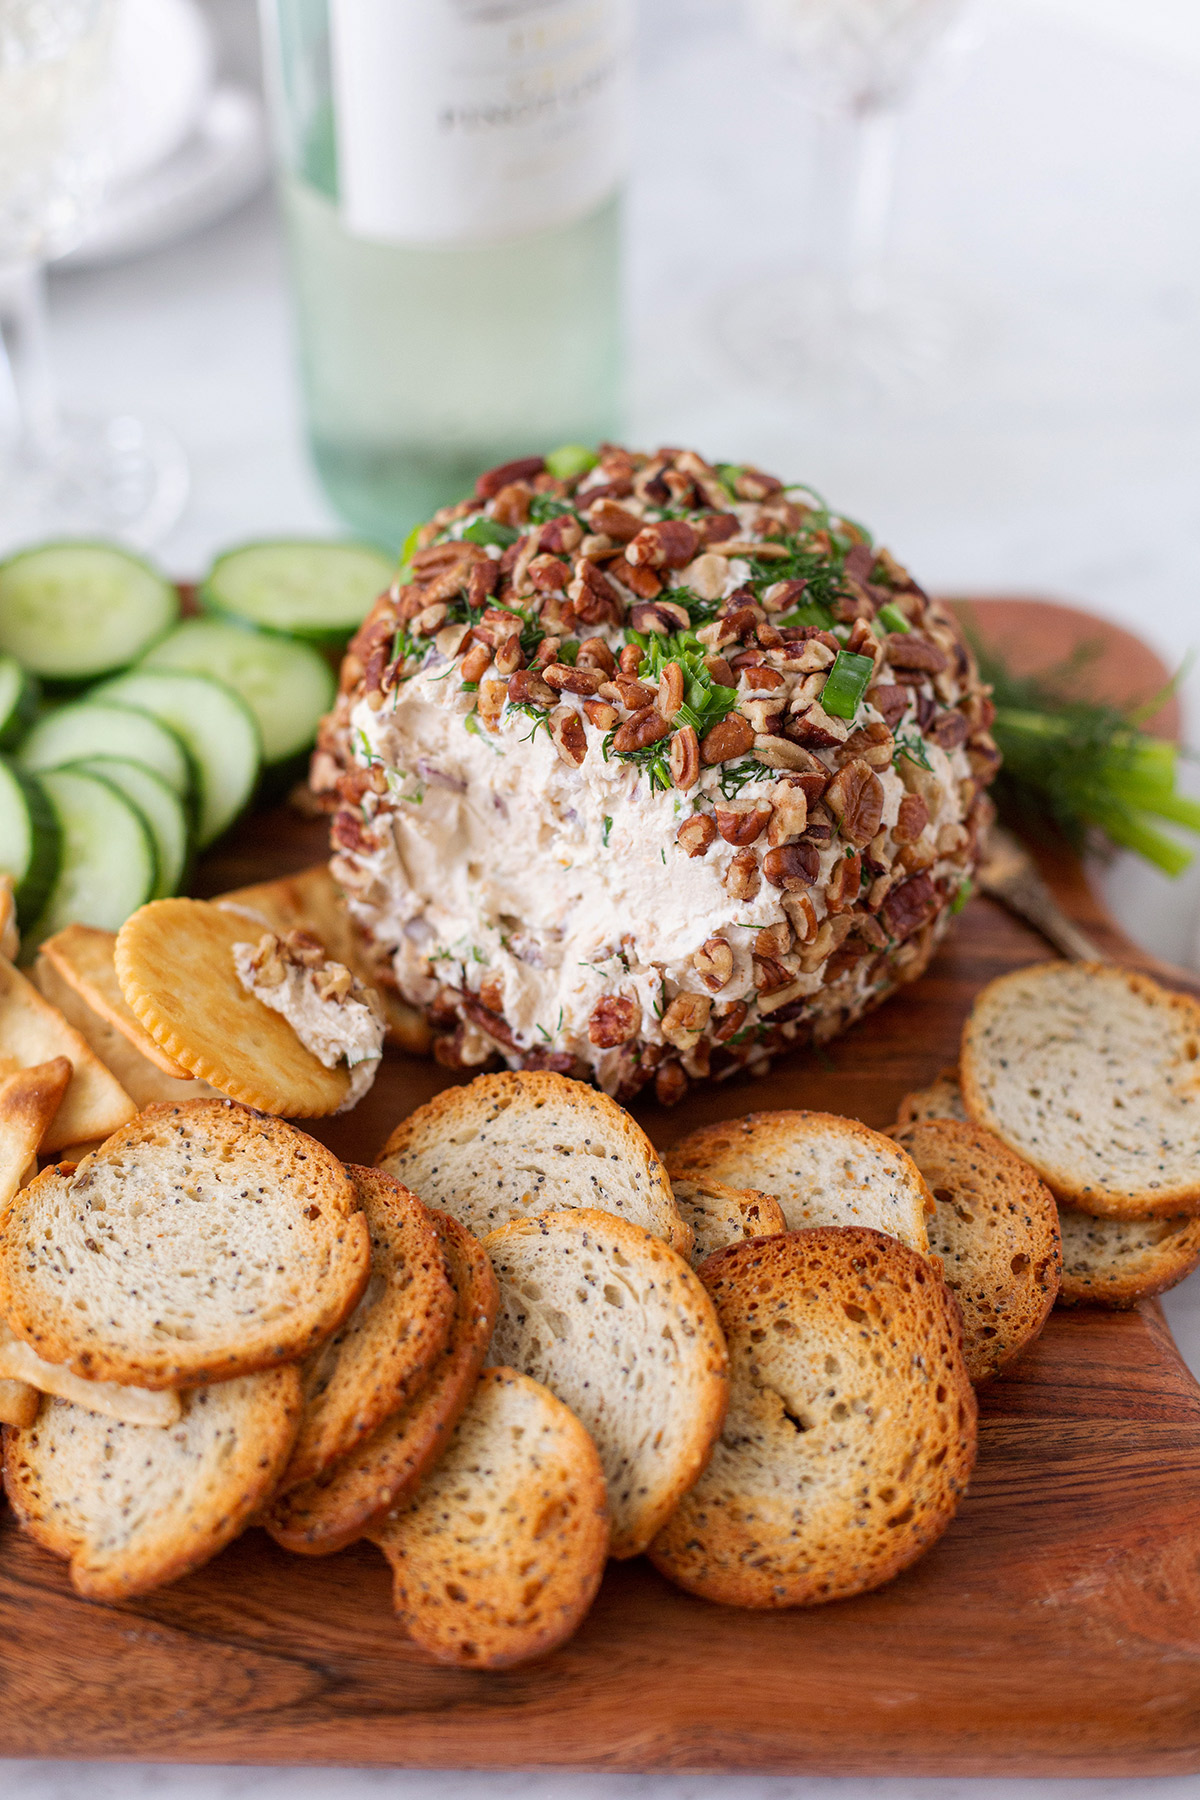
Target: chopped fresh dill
[[913, 746], [731, 781], [651, 761], [541, 718]]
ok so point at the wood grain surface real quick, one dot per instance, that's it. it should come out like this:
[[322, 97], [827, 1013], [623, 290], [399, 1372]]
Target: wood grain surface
[[1055, 1630]]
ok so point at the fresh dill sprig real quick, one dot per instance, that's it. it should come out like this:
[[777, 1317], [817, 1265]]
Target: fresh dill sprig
[[1083, 765]]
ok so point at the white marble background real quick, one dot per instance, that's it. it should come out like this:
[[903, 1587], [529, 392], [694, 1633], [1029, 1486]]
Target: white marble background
[[1050, 178]]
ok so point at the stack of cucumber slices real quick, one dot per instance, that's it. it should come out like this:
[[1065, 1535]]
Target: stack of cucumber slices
[[131, 738]]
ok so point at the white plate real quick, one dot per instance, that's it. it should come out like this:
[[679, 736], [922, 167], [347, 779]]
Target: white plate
[[221, 164]]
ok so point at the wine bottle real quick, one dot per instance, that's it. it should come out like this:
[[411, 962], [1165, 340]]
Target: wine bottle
[[451, 175]]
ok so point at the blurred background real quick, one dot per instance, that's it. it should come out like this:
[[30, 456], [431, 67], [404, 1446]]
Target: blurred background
[[1042, 222]]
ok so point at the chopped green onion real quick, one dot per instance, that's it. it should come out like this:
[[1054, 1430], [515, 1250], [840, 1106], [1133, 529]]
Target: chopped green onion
[[490, 531], [570, 460], [846, 684], [960, 899], [810, 612], [891, 616], [568, 651], [605, 832]]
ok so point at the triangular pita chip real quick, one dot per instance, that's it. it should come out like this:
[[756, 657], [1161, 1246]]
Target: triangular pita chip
[[142, 1080], [32, 1031], [83, 956]]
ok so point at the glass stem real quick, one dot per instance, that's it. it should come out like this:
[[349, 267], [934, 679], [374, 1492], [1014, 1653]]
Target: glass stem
[[856, 167], [28, 401]]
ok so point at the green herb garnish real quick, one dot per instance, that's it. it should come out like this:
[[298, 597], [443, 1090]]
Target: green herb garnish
[[605, 832], [912, 746], [705, 701], [892, 618], [846, 684], [490, 531], [541, 719], [1084, 765], [731, 781], [570, 460]]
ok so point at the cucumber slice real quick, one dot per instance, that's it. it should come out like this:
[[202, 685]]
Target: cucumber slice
[[216, 725], [19, 695], [162, 810], [107, 869], [287, 686], [73, 611], [305, 588], [29, 840], [90, 728]]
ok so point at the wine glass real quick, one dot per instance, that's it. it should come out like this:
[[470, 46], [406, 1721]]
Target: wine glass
[[60, 472], [844, 327]]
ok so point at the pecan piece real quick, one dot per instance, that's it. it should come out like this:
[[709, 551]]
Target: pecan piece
[[730, 1019], [911, 819], [685, 759], [909, 650], [873, 743], [570, 738], [667, 544], [855, 796], [697, 834], [615, 1019], [594, 653], [741, 877], [780, 752], [684, 1021], [641, 581], [950, 729], [774, 940], [790, 816], [670, 1084], [659, 616], [732, 736], [603, 716], [800, 910], [717, 527], [670, 691], [743, 824], [474, 663], [645, 727], [566, 680], [614, 521], [509, 656], [560, 536], [841, 890], [909, 905], [630, 692], [526, 687], [549, 574], [492, 480], [595, 599], [792, 866], [713, 963], [770, 976], [481, 582], [815, 728]]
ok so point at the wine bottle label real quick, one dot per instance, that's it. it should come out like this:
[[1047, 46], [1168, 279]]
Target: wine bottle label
[[460, 121]]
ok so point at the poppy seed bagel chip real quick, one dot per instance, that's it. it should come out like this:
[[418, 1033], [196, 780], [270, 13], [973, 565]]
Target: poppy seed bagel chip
[[385, 1349], [1117, 1262], [619, 1327], [136, 1506], [720, 1215], [200, 1242], [511, 1146], [1091, 1074], [499, 1553], [995, 1230], [850, 1435], [823, 1170]]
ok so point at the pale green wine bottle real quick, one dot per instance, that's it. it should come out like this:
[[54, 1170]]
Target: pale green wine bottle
[[451, 175]]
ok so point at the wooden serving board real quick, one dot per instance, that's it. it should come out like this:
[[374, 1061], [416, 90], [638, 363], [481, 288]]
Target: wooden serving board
[[1055, 1629]]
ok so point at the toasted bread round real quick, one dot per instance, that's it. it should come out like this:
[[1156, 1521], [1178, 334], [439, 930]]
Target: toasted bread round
[[851, 1427], [1117, 1262], [995, 1229], [942, 1099], [822, 1169], [174, 961], [198, 1243], [1092, 1075], [341, 1504], [136, 1506], [510, 1146], [720, 1215], [498, 1554], [616, 1324], [385, 1350]]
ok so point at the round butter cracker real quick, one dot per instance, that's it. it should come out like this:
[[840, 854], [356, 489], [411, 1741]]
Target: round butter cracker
[[174, 961]]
